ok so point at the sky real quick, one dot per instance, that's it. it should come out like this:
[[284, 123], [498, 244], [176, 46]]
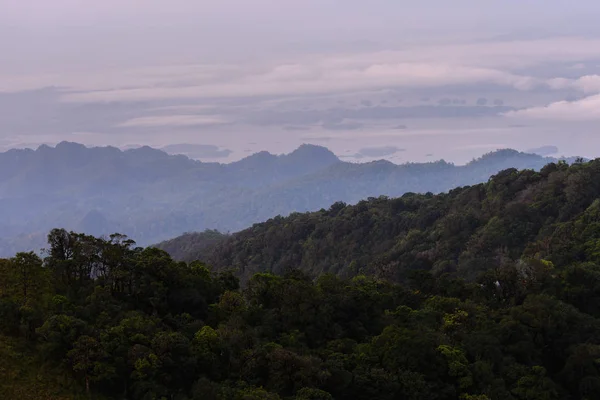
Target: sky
[[218, 80]]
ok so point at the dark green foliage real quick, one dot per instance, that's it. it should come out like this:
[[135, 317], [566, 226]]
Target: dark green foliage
[[142, 326], [191, 246]]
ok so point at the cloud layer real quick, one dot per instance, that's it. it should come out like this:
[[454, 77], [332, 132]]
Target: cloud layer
[[424, 66], [587, 109], [173, 120]]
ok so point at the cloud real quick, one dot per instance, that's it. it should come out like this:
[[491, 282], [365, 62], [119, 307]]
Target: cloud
[[379, 151], [543, 150], [586, 84], [587, 109], [185, 108], [296, 128], [173, 120], [333, 119], [355, 156], [109, 79], [342, 126], [327, 76], [515, 54], [482, 146], [317, 138], [197, 151], [559, 83], [426, 66], [422, 66]]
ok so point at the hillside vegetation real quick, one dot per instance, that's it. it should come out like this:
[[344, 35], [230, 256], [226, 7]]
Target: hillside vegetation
[[463, 232], [103, 319], [152, 196]]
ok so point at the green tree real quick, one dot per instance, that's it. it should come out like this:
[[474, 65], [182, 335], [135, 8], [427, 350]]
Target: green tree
[[89, 359]]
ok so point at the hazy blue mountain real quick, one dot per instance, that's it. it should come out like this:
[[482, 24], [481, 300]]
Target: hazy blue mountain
[[152, 196]]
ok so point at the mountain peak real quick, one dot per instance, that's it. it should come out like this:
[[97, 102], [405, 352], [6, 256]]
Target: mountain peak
[[43, 147], [500, 155], [147, 153], [312, 153], [261, 156], [68, 146]]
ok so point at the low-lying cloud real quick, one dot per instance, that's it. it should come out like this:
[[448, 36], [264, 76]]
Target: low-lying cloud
[[587, 109], [173, 120], [379, 151], [197, 151], [342, 126], [543, 150]]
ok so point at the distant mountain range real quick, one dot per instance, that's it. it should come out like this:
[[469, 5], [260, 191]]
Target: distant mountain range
[[152, 196]]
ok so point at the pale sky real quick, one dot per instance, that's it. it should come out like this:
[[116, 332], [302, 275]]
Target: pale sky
[[404, 80]]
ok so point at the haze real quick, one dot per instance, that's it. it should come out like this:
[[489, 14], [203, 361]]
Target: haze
[[379, 79]]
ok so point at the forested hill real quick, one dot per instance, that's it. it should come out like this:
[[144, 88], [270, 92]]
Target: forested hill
[[469, 230], [152, 196], [99, 318]]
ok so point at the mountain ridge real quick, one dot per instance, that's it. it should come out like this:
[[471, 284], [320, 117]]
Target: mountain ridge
[[153, 196]]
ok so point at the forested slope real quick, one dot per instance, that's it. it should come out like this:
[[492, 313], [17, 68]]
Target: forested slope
[[464, 232], [101, 319]]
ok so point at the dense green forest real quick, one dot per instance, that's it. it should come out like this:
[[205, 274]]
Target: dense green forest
[[99, 318]]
